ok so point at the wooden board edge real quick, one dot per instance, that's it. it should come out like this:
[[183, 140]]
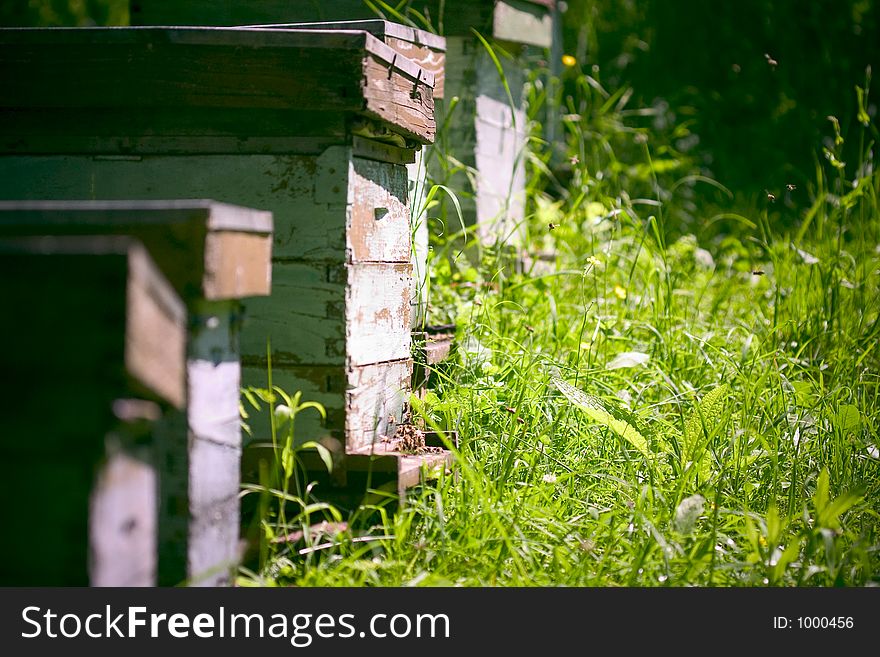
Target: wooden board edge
[[155, 331]]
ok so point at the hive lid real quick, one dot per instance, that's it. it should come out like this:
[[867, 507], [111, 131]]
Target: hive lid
[[83, 88], [378, 27], [206, 249], [423, 48], [517, 21]]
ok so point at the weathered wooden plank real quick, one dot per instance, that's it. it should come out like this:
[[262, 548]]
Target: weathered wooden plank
[[485, 133], [181, 69], [375, 401], [500, 155], [157, 132], [402, 100], [206, 249], [428, 58], [378, 225], [377, 313], [423, 48], [123, 524], [379, 28], [417, 176], [303, 320], [213, 554], [238, 265], [368, 148], [155, 331], [307, 224], [218, 469], [359, 318], [521, 21]]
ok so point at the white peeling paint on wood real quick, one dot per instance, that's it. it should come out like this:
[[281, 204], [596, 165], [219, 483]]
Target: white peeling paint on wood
[[481, 135], [378, 227], [214, 374], [213, 538], [378, 313], [500, 151], [417, 174], [214, 474], [523, 22], [122, 524], [214, 442], [375, 401]]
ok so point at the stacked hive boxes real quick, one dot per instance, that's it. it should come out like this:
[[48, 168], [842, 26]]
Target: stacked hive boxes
[[314, 126], [481, 152], [320, 125]]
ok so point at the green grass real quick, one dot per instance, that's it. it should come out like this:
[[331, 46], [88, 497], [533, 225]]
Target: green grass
[[688, 395]]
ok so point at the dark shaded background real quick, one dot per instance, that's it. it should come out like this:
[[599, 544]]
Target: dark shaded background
[[760, 123]]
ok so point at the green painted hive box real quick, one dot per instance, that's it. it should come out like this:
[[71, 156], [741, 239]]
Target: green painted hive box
[[313, 126], [485, 132], [428, 51]]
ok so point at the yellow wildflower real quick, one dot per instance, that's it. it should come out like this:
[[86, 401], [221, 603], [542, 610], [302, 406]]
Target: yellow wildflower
[[620, 292], [568, 60]]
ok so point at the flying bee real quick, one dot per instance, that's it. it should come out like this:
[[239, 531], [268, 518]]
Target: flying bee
[[530, 329], [551, 225], [773, 63], [791, 187], [510, 409], [758, 272], [771, 197], [520, 420]]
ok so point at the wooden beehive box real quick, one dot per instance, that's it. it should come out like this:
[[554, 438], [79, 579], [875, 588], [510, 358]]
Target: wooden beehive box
[[428, 51], [424, 48], [93, 356], [313, 126], [485, 133], [214, 255], [487, 128]]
